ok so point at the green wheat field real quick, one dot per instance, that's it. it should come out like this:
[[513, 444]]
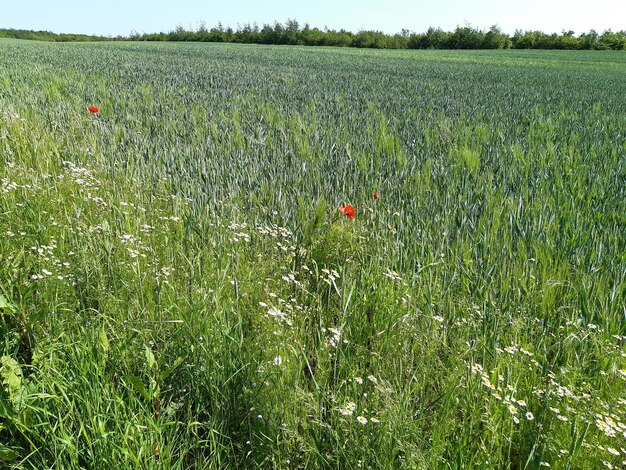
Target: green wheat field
[[178, 289]]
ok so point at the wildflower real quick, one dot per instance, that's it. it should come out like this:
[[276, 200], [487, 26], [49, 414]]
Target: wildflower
[[362, 420], [372, 379], [487, 383], [530, 416], [375, 420], [358, 380], [349, 409], [93, 109], [348, 211], [336, 338], [376, 195]]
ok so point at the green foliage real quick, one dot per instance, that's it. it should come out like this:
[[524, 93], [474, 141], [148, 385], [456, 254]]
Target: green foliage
[[469, 159], [290, 33], [179, 290], [466, 37], [12, 379], [49, 36]]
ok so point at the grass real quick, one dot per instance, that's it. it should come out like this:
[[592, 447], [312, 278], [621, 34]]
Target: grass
[[178, 289]]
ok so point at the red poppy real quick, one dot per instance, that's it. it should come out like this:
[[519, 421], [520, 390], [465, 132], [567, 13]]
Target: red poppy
[[348, 211], [93, 109], [376, 195]]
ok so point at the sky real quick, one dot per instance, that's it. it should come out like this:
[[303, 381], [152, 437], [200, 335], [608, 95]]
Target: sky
[[121, 17]]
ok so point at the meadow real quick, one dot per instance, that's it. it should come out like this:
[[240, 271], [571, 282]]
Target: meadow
[[178, 288]]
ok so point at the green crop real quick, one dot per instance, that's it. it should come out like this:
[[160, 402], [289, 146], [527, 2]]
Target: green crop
[[179, 290]]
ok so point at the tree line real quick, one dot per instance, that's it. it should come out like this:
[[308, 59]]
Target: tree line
[[291, 33], [463, 37], [49, 36]]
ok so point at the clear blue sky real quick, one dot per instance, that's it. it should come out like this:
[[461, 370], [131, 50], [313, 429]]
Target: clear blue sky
[[115, 17]]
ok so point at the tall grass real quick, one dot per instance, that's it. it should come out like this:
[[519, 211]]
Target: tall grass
[[178, 289]]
